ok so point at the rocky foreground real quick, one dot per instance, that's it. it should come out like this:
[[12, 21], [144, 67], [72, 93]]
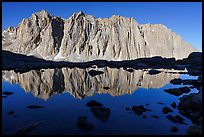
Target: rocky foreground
[[83, 37]]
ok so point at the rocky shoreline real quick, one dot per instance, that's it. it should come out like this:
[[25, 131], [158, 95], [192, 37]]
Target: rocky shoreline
[[23, 63]]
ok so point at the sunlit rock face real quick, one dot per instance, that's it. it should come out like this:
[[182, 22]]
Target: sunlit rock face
[[77, 82], [83, 37]]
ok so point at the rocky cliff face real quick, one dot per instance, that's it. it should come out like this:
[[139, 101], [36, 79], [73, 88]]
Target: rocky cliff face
[[79, 83], [84, 37]]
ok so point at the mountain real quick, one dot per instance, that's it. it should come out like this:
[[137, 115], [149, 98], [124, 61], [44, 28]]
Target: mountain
[[45, 83], [83, 37]]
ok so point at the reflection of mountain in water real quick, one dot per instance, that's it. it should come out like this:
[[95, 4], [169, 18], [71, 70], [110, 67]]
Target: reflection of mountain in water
[[76, 81]]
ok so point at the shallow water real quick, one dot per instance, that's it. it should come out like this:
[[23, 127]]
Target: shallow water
[[64, 93]]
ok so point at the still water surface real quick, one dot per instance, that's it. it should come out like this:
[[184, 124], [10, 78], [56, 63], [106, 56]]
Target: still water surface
[[64, 93]]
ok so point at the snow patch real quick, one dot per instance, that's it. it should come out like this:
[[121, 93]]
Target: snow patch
[[59, 56], [63, 19]]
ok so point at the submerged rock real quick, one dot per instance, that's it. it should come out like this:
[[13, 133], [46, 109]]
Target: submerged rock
[[148, 109], [94, 103], [154, 116], [83, 124], [7, 93], [34, 106], [166, 110], [175, 119], [179, 118], [174, 105], [139, 109], [101, 113], [161, 103], [144, 116], [10, 112]]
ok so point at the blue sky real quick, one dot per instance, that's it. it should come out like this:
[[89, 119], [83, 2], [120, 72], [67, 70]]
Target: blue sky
[[184, 18]]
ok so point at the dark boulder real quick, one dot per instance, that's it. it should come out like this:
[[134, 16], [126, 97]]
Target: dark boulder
[[196, 71], [168, 63], [179, 118], [7, 93], [139, 109], [147, 109], [175, 119], [166, 110], [101, 113], [34, 106], [83, 124], [191, 106], [144, 116], [155, 116], [94, 103], [174, 91], [185, 89], [179, 67], [173, 105], [195, 130], [10, 112], [160, 103], [195, 59], [176, 81], [192, 101], [154, 60]]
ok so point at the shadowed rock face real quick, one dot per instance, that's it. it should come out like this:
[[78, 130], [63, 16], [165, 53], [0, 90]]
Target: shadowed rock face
[[77, 82], [83, 37]]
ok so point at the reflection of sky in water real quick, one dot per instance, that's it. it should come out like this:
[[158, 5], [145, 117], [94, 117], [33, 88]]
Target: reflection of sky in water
[[61, 112]]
